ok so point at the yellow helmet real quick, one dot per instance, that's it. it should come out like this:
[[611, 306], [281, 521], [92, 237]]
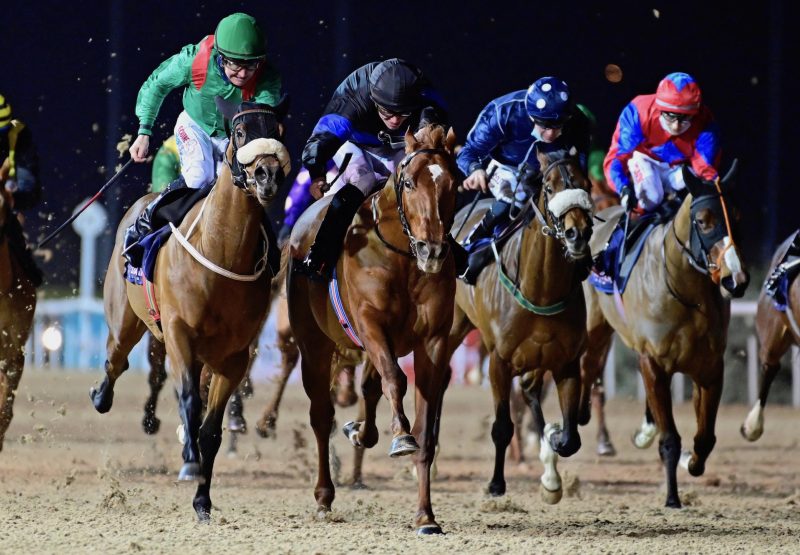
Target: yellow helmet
[[5, 112]]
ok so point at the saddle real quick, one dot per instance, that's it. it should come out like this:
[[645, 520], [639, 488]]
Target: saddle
[[480, 252], [785, 272], [607, 240]]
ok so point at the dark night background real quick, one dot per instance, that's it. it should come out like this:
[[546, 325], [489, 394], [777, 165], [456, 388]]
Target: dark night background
[[72, 72]]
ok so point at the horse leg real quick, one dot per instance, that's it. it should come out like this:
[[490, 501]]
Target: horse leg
[[643, 437], [210, 432], [659, 401], [775, 342], [531, 385], [706, 403], [567, 441], [503, 427], [431, 373], [394, 384], [236, 421], [604, 446], [156, 355], [518, 404], [265, 427], [593, 361], [10, 375], [344, 371], [363, 433], [121, 340]]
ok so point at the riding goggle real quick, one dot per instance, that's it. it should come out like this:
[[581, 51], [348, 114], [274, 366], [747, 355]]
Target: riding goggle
[[548, 124], [672, 117], [238, 65], [389, 114]]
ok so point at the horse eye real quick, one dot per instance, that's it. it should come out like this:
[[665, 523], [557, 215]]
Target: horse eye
[[408, 184], [548, 189]]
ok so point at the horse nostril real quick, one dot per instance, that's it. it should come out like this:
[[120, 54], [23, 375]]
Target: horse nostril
[[423, 250]]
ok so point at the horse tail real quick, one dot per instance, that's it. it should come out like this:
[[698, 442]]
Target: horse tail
[[277, 280]]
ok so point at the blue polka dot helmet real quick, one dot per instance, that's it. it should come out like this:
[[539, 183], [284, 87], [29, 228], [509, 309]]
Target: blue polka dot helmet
[[548, 99]]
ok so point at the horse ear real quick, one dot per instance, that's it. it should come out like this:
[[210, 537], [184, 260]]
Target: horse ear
[[693, 183], [731, 175], [450, 141], [282, 106], [411, 142], [226, 108]]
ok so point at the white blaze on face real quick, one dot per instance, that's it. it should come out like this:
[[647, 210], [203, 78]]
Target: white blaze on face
[[732, 258], [436, 170]]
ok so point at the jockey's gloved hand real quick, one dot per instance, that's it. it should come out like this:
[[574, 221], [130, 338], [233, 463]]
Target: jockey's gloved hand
[[628, 198]]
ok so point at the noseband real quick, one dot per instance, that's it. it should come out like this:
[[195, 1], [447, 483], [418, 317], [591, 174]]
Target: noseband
[[551, 223]]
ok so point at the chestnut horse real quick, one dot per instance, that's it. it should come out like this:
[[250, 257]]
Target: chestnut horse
[[537, 321], [777, 331], [675, 312], [397, 286], [211, 288], [17, 303]]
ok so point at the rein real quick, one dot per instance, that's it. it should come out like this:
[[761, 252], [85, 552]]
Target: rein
[[261, 264]]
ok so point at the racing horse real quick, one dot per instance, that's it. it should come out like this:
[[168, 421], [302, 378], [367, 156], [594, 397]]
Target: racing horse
[[17, 303], [396, 282], [777, 331], [674, 312], [535, 321], [211, 288]]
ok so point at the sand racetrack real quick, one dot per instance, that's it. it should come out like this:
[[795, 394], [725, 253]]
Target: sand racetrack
[[74, 481]]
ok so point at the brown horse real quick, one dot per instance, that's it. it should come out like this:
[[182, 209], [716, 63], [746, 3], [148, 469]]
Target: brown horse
[[777, 331], [397, 285], [17, 303], [211, 299], [343, 367], [674, 312], [535, 322]]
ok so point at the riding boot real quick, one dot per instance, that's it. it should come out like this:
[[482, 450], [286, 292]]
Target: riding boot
[[497, 214], [18, 245], [324, 253], [131, 249]]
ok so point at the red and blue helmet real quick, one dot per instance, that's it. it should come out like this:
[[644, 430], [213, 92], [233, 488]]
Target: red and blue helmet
[[548, 99], [678, 92]]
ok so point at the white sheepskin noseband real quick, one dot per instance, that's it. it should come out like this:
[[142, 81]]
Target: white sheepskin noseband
[[568, 199], [265, 147]]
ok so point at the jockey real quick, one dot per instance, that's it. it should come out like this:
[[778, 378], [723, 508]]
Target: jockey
[[230, 64], [19, 175], [367, 117], [504, 139], [656, 134]]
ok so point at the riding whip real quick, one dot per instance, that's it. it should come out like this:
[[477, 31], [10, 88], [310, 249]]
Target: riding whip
[[345, 161], [85, 206]]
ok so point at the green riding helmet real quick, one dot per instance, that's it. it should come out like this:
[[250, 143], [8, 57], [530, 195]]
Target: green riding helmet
[[239, 37]]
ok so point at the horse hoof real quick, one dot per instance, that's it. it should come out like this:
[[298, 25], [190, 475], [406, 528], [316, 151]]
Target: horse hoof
[[644, 437], [263, 429], [496, 490], [551, 497], [358, 485], [350, 431], [322, 513], [606, 449], [237, 425], [752, 435], [190, 472], [403, 445], [203, 510], [102, 398], [180, 431], [673, 504], [429, 530], [151, 424]]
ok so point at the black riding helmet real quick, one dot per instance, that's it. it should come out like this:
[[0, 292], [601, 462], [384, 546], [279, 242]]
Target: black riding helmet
[[396, 85]]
